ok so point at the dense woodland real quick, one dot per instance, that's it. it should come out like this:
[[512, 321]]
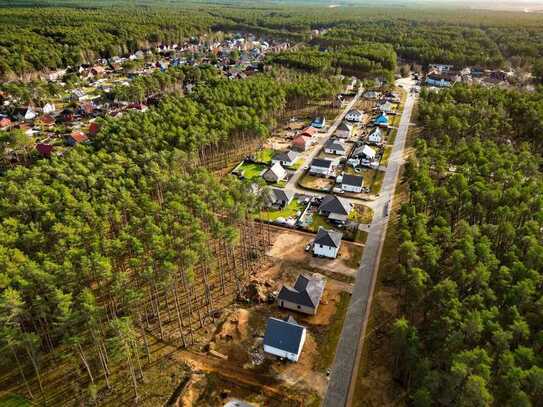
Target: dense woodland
[[471, 254], [52, 37]]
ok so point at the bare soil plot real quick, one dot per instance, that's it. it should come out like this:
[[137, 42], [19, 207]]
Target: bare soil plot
[[316, 183], [289, 246]]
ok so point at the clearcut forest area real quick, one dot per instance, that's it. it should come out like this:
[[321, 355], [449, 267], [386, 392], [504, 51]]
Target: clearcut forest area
[[187, 187]]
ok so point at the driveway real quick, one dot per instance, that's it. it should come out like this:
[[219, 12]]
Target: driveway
[[345, 366]]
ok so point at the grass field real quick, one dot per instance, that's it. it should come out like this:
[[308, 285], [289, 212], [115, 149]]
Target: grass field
[[289, 211], [251, 171], [265, 155], [386, 155], [328, 342]]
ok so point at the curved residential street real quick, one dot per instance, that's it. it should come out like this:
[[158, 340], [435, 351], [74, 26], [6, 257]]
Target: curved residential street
[[348, 351]]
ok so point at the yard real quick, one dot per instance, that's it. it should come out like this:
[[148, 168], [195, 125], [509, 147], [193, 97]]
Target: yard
[[314, 221], [265, 155], [316, 183], [250, 170], [386, 155], [361, 214], [373, 179], [289, 211]]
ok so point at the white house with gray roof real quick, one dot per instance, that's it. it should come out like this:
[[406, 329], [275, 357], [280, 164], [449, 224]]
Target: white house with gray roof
[[327, 243], [321, 166], [277, 198], [344, 130], [336, 147], [284, 339], [275, 173], [335, 208], [305, 296], [285, 158], [352, 183]]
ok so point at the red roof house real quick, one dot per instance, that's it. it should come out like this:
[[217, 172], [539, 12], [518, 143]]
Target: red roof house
[[45, 150], [309, 131], [94, 128], [46, 120], [5, 122], [77, 137], [301, 142]]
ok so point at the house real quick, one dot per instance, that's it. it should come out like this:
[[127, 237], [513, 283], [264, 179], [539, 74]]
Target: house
[[301, 143], [382, 120], [97, 71], [364, 152], [286, 158], [94, 128], [327, 243], [308, 132], [335, 147], [47, 121], [319, 122], [76, 137], [335, 208], [68, 115], [344, 130], [284, 339], [277, 198], [440, 68], [49, 108], [386, 107], [376, 137], [321, 166], [352, 183], [354, 115], [5, 122], [305, 296], [275, 173], [30, 114], [442, 80], [45, 150], [372, 95], [393, 97]]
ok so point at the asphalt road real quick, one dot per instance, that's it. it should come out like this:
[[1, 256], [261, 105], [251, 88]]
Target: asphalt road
[[350, 344], [293, 181]]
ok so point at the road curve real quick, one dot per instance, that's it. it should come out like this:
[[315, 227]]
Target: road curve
[[345, 368]]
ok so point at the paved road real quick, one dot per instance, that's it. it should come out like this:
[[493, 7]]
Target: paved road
[[350, 344], [293, 181]]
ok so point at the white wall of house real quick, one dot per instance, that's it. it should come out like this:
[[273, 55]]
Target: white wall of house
[[319, 170], [332, 151], [343, 133], [326, 251], [287, 355], [354, 117], [296, 307], [351, 188]]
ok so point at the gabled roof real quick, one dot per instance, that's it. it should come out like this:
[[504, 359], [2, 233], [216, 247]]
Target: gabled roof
[[284, 335], [376, 132], [285, 156], [354, 112], [334, 145], [307, 291], [277, 170], [344, 126], [79, 137], [44, 149], [321, 162], [329, 238], [364, 150], [276, 194], [334, 204], [310, 131], [353, 180], [382, 119]]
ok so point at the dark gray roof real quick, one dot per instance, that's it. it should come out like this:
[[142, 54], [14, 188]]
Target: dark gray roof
[[329, 238], [307, 291], [321, 162], [333, 204], [354, 180], [285, 156], [344, 126], [276, 194], [334, 145], [283, 335]]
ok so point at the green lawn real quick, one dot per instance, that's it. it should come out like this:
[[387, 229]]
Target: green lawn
[[386, 155], [377, 181], [361, 214], [298, 163], [265, 155], [289, 211], [327, 341], [251, 171], [317, 221]]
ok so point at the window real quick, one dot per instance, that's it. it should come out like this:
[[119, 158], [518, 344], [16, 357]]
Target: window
[[298, 307]]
